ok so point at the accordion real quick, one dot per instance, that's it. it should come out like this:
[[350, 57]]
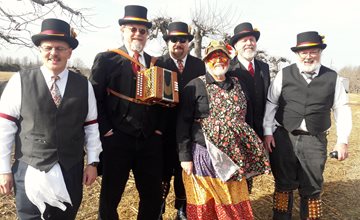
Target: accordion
[[157, 85]]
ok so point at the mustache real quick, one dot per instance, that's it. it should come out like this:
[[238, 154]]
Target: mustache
[[52, 57], [178, 47]]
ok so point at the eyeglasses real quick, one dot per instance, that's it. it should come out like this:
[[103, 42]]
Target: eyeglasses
[[133, 30], [57, 49], [304, 54], [178, 39], [217, 56]]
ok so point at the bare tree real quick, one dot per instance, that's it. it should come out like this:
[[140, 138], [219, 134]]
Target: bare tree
[[275, 63], [211, 20], [17, 17], [352, 73]]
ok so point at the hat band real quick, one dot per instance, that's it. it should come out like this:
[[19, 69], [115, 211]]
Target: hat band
[[53, 33], [135, 19], [177, 33], [245, 31], [308, 44]]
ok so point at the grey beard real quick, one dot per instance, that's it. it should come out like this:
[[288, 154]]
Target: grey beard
[[308, 69], [136, 46]]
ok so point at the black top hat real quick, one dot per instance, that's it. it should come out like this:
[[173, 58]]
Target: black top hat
[[55, 29], [243, 30], [310, 39], [135, 14], [178, 29]]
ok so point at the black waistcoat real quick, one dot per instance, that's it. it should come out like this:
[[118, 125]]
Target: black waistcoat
[[312, 102], [48, 134]]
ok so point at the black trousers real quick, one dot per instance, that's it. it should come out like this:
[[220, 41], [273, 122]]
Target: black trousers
[[122, 153], [28, 211], [298, 162]]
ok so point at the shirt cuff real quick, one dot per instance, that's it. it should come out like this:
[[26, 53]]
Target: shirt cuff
[[5, 165], [268, 131]]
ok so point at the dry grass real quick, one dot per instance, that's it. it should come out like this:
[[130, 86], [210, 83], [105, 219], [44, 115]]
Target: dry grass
[[4, 76], [341, 194]]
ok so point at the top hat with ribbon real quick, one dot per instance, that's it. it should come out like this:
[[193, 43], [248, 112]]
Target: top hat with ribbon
[[56, 29], [135, 14], [309, 39], [243, 30], [178, 29]]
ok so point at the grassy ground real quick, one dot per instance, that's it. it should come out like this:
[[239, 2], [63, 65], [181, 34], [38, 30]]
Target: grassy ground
[[340, 198], [4, 76]]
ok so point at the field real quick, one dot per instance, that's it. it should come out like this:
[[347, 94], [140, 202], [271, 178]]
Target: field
[[340, 198]]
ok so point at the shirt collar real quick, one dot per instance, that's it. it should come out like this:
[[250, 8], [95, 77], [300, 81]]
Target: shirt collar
[[245, 62], [175, 60], [48, 74], [131, 53]]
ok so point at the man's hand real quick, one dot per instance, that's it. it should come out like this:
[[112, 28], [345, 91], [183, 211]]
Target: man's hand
[[6, 183], [269, 142], [187, 167], [342, 150], [90, 174]]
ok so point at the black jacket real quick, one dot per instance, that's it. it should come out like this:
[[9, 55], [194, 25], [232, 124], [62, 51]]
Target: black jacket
[[256, 89], [194, 67], [110, 70]]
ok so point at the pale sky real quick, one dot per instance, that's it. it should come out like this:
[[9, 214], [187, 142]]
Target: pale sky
[[279, 21]]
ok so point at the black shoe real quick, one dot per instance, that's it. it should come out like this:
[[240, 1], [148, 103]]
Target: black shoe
[[181, 215]]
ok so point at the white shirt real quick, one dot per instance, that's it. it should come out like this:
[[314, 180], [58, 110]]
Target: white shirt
[[175, 60], [10, 104], [245, 62], [141, 57], [341, 109]]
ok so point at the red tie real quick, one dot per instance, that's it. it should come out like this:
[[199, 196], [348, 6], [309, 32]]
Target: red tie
[[251, 69], [180, 65], [135, 67]]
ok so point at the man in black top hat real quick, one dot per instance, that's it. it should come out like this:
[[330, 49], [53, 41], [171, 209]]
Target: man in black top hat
[[296, 122], [131, 132], [50, 113], [253, 75], [187, 67]]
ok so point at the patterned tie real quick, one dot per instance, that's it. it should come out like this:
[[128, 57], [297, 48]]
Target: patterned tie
[[309, 76], [135, 67], [180, 65], [251, 69], [55, 92]]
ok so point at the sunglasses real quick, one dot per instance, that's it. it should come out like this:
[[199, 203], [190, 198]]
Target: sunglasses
[[178, 39], [133, 30]]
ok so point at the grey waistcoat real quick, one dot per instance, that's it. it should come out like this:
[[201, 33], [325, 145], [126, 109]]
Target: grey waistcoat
[[47, 134]]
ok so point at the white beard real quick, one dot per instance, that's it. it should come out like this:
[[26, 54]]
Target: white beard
[[248, 54], [308, 68], [217, 71], [136, 46]]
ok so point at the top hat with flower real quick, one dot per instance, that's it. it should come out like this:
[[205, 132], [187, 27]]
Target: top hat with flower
[[56, 29], [309, 39], [243, 30]]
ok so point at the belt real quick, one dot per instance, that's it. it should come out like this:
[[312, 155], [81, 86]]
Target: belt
[[300, 132]]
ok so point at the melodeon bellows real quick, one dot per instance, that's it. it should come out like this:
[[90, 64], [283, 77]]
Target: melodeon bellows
[[157, 85]]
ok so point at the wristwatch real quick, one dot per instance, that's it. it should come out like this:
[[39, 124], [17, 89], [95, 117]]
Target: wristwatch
[[94, 164]]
